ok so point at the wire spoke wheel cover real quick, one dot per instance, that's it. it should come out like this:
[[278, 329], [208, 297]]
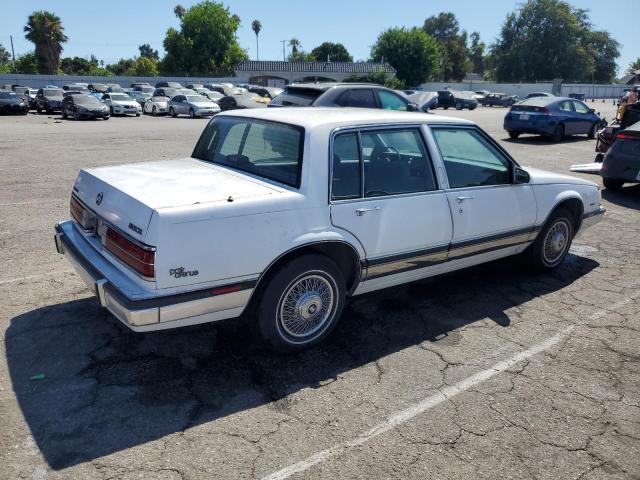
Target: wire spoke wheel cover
[[307, 305], [556, 241]]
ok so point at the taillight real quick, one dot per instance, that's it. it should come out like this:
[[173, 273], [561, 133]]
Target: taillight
[[139, 257], [542, 109], [626, 136], [81, 214]]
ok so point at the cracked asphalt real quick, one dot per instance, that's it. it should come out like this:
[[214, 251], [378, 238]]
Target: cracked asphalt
[[207, 402]]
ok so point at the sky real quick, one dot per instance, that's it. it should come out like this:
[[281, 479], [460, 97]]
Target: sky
[[114, 30]]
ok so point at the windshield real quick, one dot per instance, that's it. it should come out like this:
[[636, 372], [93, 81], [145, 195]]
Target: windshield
[[267, 149], [120, 96], [196, 99], [297, 96], [86, 100], [52, 92]]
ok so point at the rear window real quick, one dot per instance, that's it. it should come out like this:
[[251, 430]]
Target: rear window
[[298, 97], [86, 100], [266, 149]]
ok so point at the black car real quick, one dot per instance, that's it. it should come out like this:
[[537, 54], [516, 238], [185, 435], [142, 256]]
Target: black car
[[169, 85], [362, 95], [498, 100], [98, 87], [49, 99], [621, 164], [165, 92], [578, 96], [11, 102], [241, 100], [539, 94], [450, 98], [84, 106], [269, 92]]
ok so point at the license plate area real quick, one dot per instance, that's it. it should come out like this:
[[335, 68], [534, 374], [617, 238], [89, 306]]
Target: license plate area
[[524, 116]]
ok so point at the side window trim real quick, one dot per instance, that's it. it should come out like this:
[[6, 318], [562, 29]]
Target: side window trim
[[512, 163]]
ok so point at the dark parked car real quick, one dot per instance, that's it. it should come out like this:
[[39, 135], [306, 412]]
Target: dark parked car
[[11, 102], [621, 164], [554, 117], [498, 100], [49, 99], [193, 86], [84, 106], [539, 94], [98, 87], [169, 85], [578, 96], [365, 95], [165, 92], [451, 98], [148, 89], [241, 99]]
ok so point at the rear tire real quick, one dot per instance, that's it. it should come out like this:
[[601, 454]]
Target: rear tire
[[301, 303], [599, 157], [558, 133], [192, 113], [154, 111], [613, 183], [514, 135], [593, 131], [552, 243], [458, 106], [172, 112], [64, 115]]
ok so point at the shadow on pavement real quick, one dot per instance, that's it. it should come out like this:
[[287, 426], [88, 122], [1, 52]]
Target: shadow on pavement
[[540, 139], [107, 389], [628, 196]]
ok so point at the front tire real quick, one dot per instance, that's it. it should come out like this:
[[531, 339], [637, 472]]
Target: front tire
[[514, 135], [301, 303], [192, 113], [593, 131], [154, 111], [552, 244], [612, 183], [172, 112], [458, 106]]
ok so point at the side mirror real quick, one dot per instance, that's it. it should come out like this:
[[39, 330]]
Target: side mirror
[[591, 111], [412, 107], [520, 175]]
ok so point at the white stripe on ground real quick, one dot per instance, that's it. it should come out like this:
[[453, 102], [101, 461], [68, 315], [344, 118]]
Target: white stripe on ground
[[443, 394], [33, 277]]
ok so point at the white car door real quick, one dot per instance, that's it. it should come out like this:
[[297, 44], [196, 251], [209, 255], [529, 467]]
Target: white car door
[[490, 210], [384, 191]]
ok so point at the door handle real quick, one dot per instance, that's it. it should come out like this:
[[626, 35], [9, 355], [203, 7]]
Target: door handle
[[361, 211], [462, 199]]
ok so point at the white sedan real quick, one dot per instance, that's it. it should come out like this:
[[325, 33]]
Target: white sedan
[[286, 213], [157, 105], [121, 104]]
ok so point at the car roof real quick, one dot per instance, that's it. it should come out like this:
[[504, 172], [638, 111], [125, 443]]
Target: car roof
[[322, 86], [312, 117]]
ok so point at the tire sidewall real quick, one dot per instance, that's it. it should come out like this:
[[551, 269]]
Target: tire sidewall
[[539, 261], [278, 284]]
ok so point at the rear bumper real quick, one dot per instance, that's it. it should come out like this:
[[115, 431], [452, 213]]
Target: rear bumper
[[621, 167], [147, 310]]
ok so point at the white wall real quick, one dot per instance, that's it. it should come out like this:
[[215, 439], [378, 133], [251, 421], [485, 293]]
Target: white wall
[[522, 89]]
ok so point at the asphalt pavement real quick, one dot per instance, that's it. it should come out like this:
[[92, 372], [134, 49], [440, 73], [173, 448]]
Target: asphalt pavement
[[487, 373]]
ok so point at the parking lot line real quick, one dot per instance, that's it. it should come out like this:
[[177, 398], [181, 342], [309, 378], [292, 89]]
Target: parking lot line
[[443, 394]]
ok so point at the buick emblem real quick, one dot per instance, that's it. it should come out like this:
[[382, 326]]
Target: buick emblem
[[99, 199]]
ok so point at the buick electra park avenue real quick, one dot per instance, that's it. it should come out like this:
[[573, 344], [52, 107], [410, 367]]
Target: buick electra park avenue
[[280, 215]]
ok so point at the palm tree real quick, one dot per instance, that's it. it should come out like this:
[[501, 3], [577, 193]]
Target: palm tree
[[256, 26], [179, 10], [294, 43], [45, 30]]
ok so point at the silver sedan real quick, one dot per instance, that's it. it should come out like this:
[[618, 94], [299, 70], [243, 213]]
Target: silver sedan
[[192, 105]]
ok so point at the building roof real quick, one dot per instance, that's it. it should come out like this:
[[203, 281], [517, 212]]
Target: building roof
[[630, 78], [312, 117], [304, 67]]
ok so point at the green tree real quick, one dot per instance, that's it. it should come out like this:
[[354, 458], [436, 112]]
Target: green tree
[[206, 43], [98, 72], [548, 39], [336, 52], [301, 56], [295, 45], [122, 66], [476, 53], [78, 65], [4, 55], [179, 11], [27, 63], [45, 30], [144, 67], [256, 26], [445, 28], [633, 66], [379, 78], [148, 52], [413, 54]]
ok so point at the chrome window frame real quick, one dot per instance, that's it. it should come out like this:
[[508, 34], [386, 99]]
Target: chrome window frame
[[375, 127]]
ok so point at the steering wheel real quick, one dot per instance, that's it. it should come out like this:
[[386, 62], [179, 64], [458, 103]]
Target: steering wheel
[[384, 154]]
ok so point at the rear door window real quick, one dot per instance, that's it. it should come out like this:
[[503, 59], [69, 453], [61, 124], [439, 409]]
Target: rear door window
[[358, 97], [391, 101], [580, 107], [566, 106]]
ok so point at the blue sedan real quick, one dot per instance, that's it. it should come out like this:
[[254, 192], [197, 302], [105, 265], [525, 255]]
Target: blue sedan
[[554, 117]]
